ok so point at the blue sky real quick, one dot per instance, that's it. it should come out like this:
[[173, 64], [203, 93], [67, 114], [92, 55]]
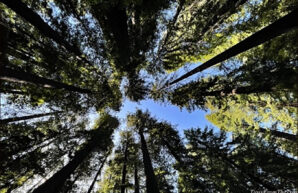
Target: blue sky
[[179, 117]]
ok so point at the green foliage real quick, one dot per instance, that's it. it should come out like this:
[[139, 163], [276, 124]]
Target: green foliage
[[97, 45]]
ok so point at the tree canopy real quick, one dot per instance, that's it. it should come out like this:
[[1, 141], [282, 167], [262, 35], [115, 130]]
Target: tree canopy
[[67, 69]]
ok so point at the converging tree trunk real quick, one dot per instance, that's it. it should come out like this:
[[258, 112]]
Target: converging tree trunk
[[19, 76], [151, 183], [28, 14], [136, 179], [273, 30], [124, 170], [56, 182], [280, 134], [8, 120], [97, 174], [241, 170]]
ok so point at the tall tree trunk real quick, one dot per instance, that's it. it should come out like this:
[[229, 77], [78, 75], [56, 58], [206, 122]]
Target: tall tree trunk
[[251, 176], [273, 30], [32, 17], [280, 134], [97, 174], [240, 90], [136, 179], [8, 120], [20, 76], [56, 182], [5, 91], [172, 151], [151, 183], [70, 184], [124, 171]]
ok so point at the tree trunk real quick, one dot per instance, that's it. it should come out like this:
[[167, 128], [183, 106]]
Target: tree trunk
[[28, 14], [70, 184], [273, 30], [12, 92], [136, 179], [56, 182], [96, 175], [242, 171], [8, 120], [124, 171], [151, 183], [172, 151], [240, 90], [280, 134], [20, 76]]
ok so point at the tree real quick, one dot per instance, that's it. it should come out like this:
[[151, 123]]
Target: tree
[[21, 8], [23, 77], [104, 131], [35, 149], [216, 167], [8, 120], [273, 30], [190, 25], [97, 174], [139, 122]]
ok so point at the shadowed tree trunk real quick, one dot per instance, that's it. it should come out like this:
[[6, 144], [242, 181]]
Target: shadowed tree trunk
[[280, 134], [32, 17], [8, 120], [151, 183], [12, 92], [124, 170], [97, 174], [56, 182], [20, 76], [136, 179], [273, 30], [70, 184]]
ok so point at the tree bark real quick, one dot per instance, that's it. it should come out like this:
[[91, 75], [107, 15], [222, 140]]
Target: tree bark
[[20, 76], [56, 182], [136, 179], [8, 120], [124, 171], [273, 30], [96, 175], [280, 134], [151, 183], [28, 14]]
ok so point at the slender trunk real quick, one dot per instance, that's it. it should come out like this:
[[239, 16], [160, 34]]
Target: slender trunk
[[240, 90], [20, 76], [70, 184], [12, 92], [241, 170], [151, 183], [280, 134], [172, 151], [227, 9], [96, 175], [16, 185], [136, 179], [273, 30], [8, 120], [32, 17], [251, 176], [124, 171], [56, 182]]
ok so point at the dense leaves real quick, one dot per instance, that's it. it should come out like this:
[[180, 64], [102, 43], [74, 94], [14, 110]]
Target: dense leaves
[[65, 62]]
